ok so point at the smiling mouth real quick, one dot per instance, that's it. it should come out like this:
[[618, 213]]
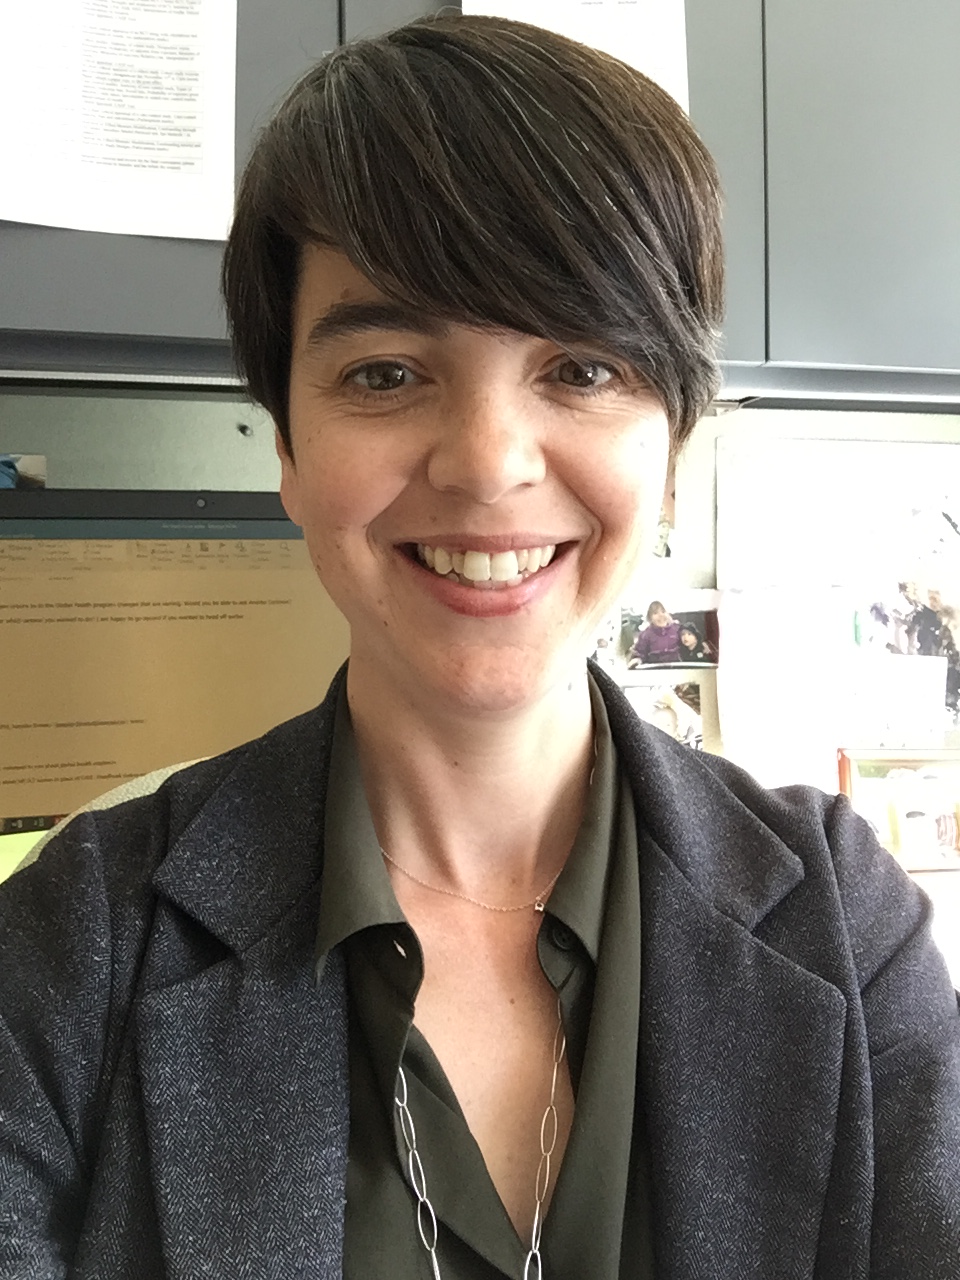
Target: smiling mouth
[[480, 569]]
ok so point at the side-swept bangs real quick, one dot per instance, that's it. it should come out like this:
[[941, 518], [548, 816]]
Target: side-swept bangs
[[488, 172]]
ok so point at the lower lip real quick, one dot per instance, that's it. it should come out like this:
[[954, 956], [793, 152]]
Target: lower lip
[[496, 602]]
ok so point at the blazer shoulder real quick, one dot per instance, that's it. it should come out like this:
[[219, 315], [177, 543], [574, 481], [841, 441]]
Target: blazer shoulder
[[697, 787], [796, 807], [85, 906]]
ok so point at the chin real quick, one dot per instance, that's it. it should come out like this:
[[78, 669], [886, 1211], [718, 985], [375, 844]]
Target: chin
[[503, 679]]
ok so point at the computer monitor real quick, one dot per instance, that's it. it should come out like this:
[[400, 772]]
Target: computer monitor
[[140, 629]]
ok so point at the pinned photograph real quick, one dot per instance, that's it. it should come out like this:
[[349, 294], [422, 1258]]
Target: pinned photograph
[[674, 708], [660, 637], [916, 620]]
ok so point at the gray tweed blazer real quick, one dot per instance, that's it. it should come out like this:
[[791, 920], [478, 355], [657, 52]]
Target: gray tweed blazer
[[173, 1091]]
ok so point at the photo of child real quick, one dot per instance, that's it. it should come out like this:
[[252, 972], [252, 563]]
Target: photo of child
[[661, 638]]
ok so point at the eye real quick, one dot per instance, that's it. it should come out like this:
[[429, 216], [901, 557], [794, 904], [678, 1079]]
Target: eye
[[584, 375], [381, 375]]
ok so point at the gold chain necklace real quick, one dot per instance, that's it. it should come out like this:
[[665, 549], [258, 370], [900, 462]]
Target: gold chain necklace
[[537, 903]]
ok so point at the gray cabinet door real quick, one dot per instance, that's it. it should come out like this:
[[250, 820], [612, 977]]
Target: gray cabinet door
[[863, 154], [372, 17], [57, 281], [725, 67]]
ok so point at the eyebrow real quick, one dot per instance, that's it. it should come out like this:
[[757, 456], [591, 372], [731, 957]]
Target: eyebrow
[[345, 318]]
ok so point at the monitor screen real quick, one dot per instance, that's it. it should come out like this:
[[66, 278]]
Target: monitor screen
[[141, 630]]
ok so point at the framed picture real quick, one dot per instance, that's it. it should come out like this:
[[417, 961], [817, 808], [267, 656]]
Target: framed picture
[[911, 799]]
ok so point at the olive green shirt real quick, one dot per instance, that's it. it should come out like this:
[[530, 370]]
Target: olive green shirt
[[598, 1223]]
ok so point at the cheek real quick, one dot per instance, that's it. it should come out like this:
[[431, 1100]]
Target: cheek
[[627, 496], [323, 511], [644, 473], [343, 491]]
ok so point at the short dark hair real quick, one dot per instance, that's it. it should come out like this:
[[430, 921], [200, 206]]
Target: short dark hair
[[489, 172]]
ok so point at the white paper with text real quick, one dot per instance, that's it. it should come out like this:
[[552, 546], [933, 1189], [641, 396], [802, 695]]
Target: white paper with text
[[118, 115]]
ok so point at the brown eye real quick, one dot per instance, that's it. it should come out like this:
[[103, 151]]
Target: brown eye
[[383, 375], [584, 374]]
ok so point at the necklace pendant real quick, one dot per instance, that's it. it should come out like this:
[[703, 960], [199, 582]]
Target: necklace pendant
[[538, 906]]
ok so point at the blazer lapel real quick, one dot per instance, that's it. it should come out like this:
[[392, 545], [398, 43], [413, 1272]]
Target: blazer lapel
[[741, 1046], [244, 1081], [740, 1067], [242, 1054]]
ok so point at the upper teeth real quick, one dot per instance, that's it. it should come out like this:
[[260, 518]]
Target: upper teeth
[[478, 566]]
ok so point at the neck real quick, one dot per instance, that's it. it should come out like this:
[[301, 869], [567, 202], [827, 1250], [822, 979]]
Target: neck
[[487, 805]]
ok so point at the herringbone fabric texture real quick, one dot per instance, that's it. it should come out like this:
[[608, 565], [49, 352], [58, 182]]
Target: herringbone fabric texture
[[173, 1093]]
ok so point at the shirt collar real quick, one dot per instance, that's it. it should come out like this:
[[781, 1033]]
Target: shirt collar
[[578, 897], [357, 893]]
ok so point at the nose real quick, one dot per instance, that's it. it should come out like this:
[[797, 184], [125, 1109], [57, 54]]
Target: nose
[[488, 446]]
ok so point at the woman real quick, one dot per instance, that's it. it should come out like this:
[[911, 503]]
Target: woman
[[693, 648], [659, 640], [468, 973]]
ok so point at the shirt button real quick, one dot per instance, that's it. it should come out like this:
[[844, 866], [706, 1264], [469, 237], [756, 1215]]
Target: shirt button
[[561, 937]]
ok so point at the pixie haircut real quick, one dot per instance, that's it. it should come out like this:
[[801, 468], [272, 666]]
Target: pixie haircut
[[493, 173]]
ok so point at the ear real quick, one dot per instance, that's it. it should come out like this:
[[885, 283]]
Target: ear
[[289, 480]]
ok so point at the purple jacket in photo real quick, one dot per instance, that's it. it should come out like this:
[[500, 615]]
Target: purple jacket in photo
[[658, 644]]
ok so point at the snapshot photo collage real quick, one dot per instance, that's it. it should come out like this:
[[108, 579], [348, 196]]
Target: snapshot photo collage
[[656, 651]]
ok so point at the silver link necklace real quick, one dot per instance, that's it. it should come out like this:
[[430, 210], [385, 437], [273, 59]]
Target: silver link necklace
[[549, 1132]]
